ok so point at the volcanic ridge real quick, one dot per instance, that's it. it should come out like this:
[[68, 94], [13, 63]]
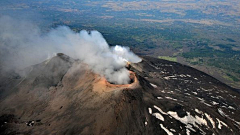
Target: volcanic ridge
[[64, 96]]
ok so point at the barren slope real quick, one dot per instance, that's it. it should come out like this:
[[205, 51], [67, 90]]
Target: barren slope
[[62, 96]]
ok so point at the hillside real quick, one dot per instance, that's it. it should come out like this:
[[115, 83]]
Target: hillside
[[63, 96]]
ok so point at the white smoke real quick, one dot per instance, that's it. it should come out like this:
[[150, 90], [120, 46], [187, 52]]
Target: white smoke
[[23, 44]]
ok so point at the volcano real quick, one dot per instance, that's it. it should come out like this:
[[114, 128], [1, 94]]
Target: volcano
[[63, 96]]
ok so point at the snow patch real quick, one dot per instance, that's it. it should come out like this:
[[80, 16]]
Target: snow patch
[[160, 110], [190, 127], [154, 86], [200, 120], [207, 104], [220, 123], [182, 75], [200, 99], [203, 101], [158, 116], [214, 103], [173, 130], [166, 130], [169, 77], [230, 107], [146, 123], [150, 110], [187, 132], [211, 120], [220, 111], [194, 93], [197, 111], [232, 96], [189, 119], [171, 98]]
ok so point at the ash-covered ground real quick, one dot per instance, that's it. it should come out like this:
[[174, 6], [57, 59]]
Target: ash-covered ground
[[63, 96]]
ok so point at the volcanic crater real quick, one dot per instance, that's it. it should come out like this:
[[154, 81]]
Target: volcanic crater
[[62, 96]]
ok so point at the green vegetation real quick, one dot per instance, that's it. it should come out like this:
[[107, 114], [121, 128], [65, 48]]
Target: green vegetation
[[176, 45], [195, 61], [226, 59], [210, 52], [230, 77], [235, 79], [231, 65], [174, 59], [230, 40]]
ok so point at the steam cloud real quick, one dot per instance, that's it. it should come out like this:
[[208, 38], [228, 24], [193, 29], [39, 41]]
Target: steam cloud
[[23, 44]]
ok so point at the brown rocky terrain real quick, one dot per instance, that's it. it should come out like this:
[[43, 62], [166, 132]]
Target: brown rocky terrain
[[63, 96]]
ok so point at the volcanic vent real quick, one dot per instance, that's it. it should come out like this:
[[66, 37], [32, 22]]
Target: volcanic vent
[[64, 96], [103, 85]]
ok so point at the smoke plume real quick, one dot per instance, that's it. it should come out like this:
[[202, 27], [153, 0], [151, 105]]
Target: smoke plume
[[23, 44]]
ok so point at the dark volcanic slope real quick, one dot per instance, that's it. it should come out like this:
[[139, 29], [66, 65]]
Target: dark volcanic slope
[[62, 96]]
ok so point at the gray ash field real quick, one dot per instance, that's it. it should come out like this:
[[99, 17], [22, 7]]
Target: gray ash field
[[62, 96]]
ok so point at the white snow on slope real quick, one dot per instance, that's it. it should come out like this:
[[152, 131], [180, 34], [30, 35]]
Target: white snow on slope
[[171, 98], [160, 110], [146, 123], [189, 119], [154, 86], [166, 130], [188, 132], [158, 116], [211, 120], [197, 111], [150, 110], [220, 123]]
